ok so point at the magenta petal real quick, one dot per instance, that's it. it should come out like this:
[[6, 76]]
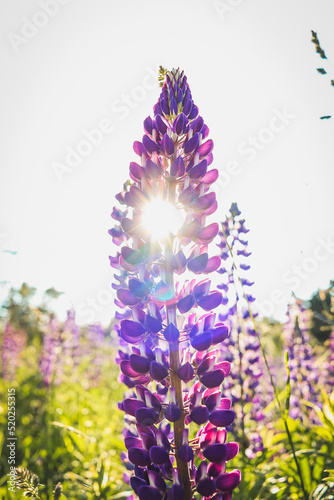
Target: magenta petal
[[206, 201], [228, 481], [212, 379], [212, 401], [205, 148], [136, 171], [210, 301], [139, 457], [146, 416], [210, 177], [213, 264], [198, 264], [184, 305], [222, 418], [232, 450], [131, 405], [199, 415], [158, 455], [208, 233], [138, 148]]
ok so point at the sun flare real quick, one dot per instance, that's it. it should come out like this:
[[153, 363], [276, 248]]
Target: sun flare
[[161, 219]]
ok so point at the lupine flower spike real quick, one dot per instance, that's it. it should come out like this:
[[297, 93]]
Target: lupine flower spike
[[166, 324]]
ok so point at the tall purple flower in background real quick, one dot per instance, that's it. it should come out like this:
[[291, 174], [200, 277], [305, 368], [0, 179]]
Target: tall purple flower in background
[[13, 343], [50, 356], [304, 370], [245, 385], [166, 322]]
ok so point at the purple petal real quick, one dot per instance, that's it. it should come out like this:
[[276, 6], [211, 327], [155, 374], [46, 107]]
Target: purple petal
[[199, 170], [178, 261], [171, 333], [192, 144], [139, 364], [210, 301], [132, 328], [198, 264], [138, 148], [136, 171], [146, 416], [157, 371], [184, 305], [127, 297], [186, 372], [136, 483], [177, 169], [158, 455], [219, 334], [215, 452], [161, 125], [147, 492], [132, 442], [213, 264], [212, 401], [156, 480], [139, 457], [148, 125], [131, 405], [127, 369], [172, 412], [213, 379], [150, 145], [167, 145], [202, 289], [206, 487], [222, 418], [202, 341], [153, 169], [153, 325], [199, 415], [180, 124], [193, 113], [185, 453]]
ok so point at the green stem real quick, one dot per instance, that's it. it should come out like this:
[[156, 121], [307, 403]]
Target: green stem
[[282, 413]]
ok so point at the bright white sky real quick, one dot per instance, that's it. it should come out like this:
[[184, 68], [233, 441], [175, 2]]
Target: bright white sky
[[245, 66]]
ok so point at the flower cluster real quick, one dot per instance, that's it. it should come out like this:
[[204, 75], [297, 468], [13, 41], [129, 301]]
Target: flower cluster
[[245, 385], [49, 359], [166, 324], [304, 371], [13, 343]]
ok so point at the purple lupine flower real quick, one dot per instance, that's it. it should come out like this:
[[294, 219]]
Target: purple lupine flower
[[246, 384], [50, 356], [13, 343], [304, 370], [330, 363], [163, 232]]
